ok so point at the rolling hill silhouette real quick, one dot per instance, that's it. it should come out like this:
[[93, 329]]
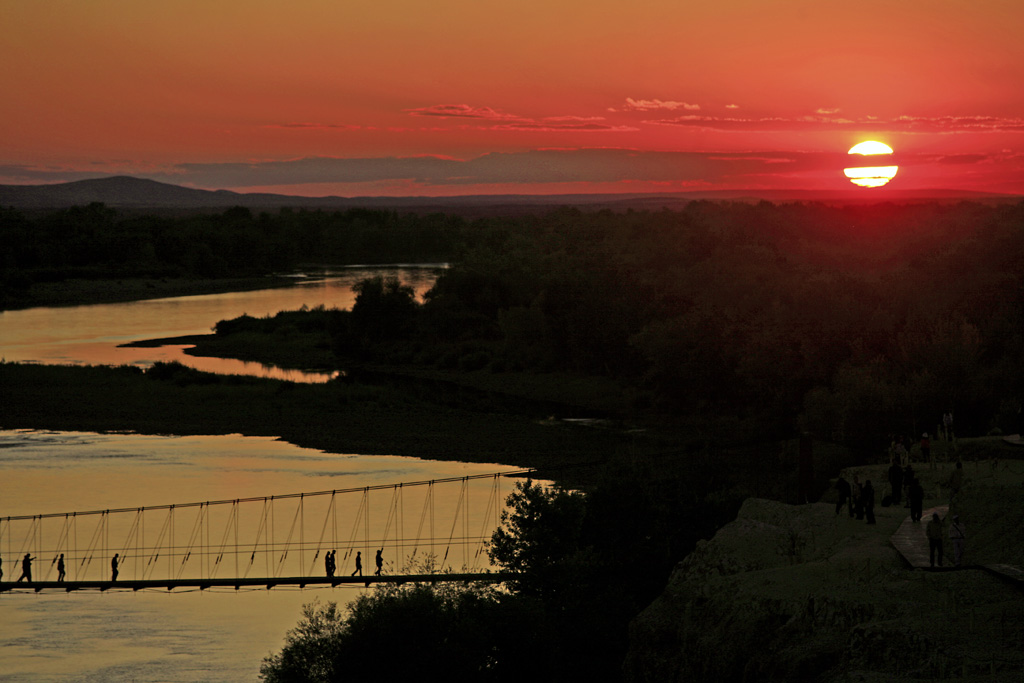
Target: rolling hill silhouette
[[127, 192]]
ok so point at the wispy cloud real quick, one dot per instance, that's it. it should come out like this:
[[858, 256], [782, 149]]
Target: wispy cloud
[[653, 105], [827, 121], [461, 111], [564, 124], [493, 119]]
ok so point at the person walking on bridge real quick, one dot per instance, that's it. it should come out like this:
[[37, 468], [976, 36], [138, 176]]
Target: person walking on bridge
[[26, 568], [359, 564], [934, 533], [329, 563], [60, 568], [380, 562], [113, 567]]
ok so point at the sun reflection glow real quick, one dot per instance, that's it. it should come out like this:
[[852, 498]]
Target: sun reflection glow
[[871, 176]]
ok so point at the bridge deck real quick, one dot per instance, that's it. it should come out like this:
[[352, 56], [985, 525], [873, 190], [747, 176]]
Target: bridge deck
[[267, 582]]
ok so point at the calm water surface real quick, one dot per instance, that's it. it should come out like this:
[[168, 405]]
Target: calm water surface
[[91, 335], [181, 636]]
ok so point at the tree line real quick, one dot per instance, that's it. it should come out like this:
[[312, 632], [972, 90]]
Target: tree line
[[852, 323]]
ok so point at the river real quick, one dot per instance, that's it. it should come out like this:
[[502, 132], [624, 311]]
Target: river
[[94, 334], [159, 635]]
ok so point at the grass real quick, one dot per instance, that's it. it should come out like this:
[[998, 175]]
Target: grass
[[339, 416]]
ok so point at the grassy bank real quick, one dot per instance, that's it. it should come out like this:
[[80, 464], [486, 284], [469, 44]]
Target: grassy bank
[[339, 416], [81, 292]]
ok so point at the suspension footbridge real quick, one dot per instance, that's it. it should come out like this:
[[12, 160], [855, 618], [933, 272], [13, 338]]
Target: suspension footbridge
[[420, 531]]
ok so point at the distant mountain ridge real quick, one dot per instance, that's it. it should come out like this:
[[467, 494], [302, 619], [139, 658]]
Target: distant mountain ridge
[[127, 192]]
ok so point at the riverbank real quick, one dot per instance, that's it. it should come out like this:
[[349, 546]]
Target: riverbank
[[339, 417], [82, 292]]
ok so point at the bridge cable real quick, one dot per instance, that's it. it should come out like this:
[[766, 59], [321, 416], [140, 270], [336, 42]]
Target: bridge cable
[[458, 507], [288, 541], [197, 533], [492, 500], [259, 532], [423, 516], [232, 515], [363, 503], [392, 515], [155, 555], [132, 531], [323, 530]]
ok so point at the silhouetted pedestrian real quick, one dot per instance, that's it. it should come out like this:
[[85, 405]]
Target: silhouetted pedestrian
[[947, 425], [329, 563], [843, 487], [380, 562], [957, 534], [916, 495], [26, 568], [359, 564], [908, 478], [902, 453], [113, 567], [1, 568], [956, 480], [868, 494], [60, 568], [896, 483], [934, 533]]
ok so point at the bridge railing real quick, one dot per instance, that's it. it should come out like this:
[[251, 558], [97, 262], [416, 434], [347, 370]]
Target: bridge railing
[[450, 520]]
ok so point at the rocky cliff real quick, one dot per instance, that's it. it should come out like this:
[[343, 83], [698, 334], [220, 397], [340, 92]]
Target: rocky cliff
[[798, 593]]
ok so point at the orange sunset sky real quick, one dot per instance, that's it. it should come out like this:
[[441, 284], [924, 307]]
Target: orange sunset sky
[[450, 97]]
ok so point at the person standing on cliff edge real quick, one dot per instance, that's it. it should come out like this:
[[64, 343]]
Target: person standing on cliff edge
[[934, 533], [868, 498], [959, 538]]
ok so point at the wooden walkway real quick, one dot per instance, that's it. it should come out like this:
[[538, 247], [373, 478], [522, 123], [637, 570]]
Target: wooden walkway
[[912, 543], [237, 584]]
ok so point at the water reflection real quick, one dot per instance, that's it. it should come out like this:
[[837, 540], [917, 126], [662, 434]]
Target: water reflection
[[155, 635], [91, 335]]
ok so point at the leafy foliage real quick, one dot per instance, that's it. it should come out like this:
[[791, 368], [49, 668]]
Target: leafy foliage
[[440, 631]]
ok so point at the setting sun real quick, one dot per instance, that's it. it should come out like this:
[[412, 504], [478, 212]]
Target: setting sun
[[870, 176]]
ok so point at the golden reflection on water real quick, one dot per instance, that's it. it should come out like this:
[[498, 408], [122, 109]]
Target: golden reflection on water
[[153, 635], [92, 335]]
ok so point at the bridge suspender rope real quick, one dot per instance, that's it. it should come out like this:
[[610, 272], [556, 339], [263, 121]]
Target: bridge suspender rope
[[248, 526]]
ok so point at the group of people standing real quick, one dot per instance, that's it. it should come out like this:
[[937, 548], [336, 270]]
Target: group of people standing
[[904, 484], [859, 499], [331, 563]]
